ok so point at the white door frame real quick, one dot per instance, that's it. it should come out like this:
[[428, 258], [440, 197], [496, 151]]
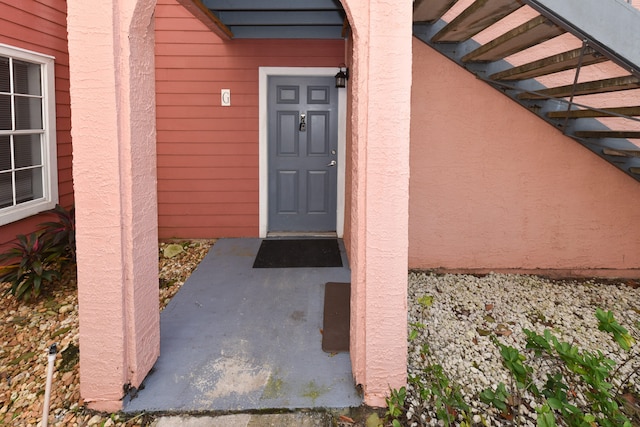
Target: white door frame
[[264, 74]]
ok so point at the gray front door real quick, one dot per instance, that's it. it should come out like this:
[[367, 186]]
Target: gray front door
[[302, 146]]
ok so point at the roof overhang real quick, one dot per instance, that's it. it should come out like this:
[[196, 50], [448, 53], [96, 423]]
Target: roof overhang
[[271, 19]]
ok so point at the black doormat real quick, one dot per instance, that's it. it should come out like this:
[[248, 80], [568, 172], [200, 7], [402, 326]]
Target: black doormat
[[298, 253], [335, 325]]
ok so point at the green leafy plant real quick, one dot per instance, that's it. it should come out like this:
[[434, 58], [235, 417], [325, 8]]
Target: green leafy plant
[[395, 406], [60, 235], [446, 395], [573, 368], [497, 398], [27, 266], [607, 323], [415, 330], [437, 391], [546, 417], [37, 259], [512, 360]]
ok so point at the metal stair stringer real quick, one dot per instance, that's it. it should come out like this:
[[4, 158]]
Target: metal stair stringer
[[604, 36]]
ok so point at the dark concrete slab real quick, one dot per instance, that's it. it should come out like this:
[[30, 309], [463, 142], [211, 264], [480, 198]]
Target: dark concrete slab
[[236, 338]]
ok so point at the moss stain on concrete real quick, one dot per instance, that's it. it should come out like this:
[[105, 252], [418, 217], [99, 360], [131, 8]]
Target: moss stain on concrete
[[313, 391], [274, 387]]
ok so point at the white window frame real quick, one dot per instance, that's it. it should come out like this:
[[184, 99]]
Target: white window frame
[[49, 153]]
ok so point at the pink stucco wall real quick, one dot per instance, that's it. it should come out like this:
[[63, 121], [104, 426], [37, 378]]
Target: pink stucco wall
[[110, 48], [113, 128], [495, 188], [379, 155]]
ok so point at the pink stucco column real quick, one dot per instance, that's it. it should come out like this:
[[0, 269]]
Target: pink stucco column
[[111, 57], [381, 93]]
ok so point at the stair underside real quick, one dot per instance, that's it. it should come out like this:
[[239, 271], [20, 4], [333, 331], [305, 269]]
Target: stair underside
[[561, 104]]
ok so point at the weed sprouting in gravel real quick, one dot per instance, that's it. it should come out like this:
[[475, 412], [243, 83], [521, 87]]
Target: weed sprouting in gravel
[[572, 369]]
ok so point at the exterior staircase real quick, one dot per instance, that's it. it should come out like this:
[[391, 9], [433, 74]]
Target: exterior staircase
[[574, 63]]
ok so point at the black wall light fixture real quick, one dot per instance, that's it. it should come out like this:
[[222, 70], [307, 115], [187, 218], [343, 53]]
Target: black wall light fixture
[[342, 76]]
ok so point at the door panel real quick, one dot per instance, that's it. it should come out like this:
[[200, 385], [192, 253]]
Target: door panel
[[319, 135], [318, 192], [287, 134], [302, 157], [287, 191]]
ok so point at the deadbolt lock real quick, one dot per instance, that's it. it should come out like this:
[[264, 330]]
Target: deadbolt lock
[[303, 124]]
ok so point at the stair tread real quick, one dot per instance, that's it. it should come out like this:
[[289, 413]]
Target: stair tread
[[621, 153], [475, 18], [529, 34], [431, 10], [607, 134], [552, 64], [625, 111], [586, 88]]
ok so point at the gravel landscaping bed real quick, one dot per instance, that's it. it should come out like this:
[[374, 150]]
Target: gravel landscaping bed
[[456, 316], [461, 316]]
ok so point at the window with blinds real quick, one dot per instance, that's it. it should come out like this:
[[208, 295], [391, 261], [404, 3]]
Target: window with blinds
[[27, 134]]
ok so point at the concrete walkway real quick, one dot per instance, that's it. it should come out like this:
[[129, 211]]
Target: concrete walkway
[[249, 420], [236, 338]]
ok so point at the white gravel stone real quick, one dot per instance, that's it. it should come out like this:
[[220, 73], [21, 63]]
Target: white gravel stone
[[465, 308]]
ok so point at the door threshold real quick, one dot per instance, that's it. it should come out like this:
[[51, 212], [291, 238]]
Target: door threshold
[[297, 234]]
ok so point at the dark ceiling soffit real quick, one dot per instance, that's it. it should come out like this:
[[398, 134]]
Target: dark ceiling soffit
[[289, 19], [274, 5], [200, 11]]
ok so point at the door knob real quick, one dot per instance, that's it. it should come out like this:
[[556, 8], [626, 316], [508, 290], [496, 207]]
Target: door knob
[[332, 163]]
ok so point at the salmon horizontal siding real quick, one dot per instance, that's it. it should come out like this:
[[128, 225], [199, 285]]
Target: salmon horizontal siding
[[187, 161], [65, 150], [49, 20], [198, 232], [204, 209], [212, 185], [208, 124], [206, 148], [178, 112], [198, 136], [67, 198], [63, 97], [169, 75], [198, 87], [172, 9], [239, 49], [46, 10], [191, 197], [40, 26], [29, 38], [187, 99], [63, 123], [264, 59], [208, 220], [191, 173], [65, 175], [206, 87], [62, 110]]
